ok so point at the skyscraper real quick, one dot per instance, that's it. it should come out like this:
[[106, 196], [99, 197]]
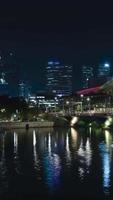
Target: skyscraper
[[87, 75], [92, 77], [24, 90], [104, 70], [58, 78], [104, 73]]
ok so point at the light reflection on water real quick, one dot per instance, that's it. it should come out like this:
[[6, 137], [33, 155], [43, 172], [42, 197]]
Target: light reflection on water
[[106, 154], [3, 169], [35, 153], [85, 157], [48, 160]]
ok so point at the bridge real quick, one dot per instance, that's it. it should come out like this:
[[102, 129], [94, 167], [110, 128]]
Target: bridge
[[73, 119]]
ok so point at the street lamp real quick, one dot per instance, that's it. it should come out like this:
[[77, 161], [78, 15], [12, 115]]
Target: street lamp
[[81, 95], [67, 103], [88, 100], [81, 102]]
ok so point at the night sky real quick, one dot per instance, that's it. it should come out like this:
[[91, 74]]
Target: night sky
[[75, 32]]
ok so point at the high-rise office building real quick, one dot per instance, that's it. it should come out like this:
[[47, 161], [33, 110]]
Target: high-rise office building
[[87, 75], [104, 73], [92, 77], [58, 78], [24, 90], [104, 70]]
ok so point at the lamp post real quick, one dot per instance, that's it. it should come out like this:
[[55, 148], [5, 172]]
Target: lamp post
[[67, 103], [82, 96], [88, 100]]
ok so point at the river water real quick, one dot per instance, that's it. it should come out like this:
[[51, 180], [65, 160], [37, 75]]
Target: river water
[[56, 164]]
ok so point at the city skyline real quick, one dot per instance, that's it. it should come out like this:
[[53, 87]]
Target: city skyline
[[78, 33], [11, 71], [56, 99]]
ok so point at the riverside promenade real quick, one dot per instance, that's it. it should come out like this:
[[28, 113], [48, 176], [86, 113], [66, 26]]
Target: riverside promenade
[[27, 124]]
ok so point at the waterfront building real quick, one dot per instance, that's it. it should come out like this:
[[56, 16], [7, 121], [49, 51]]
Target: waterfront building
[[58, 78]]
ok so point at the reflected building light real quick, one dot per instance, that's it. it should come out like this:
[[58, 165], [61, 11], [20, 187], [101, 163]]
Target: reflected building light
[[90, 129], [34, 147], [49, 143], [15, 143], [106, 170], [52, 168], [67, 143], [3, 148], [80, 150], [88, 153], [34, 138], [106, 161], [74, 135], [55, 144], [17, 164], [81, 173], [36, 160], [3, 168], [108, 139], [81, 169], [68, 154], [85, 157], [45, 139]]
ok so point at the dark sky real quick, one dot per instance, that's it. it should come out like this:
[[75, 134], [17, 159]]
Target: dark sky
[[76, 32]]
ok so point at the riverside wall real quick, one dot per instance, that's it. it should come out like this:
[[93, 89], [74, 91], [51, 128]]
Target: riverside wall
[[16, 125]]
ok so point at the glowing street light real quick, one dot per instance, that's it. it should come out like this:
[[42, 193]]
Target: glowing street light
[[81, 95], [88, 100]]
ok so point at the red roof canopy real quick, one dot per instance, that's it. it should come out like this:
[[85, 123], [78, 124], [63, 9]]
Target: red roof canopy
[[89, 90]]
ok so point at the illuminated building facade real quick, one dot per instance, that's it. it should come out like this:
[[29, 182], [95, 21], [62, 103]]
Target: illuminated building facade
[[103, 74], [104, 70], [94, 77], [24, 90], [87, 75], [58, 78]]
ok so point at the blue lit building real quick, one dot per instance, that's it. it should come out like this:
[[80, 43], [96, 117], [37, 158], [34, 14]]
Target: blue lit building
[[24, 90], [104, 70], [93, 76], [104, 73], [58, 78]]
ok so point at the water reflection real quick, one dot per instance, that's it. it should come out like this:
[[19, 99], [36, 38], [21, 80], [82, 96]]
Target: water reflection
[[85, 157], [74, 137], [3, 168], [15, 146], [36, 159], [68, 152], [52, 166], [106, 153], [49, 160]]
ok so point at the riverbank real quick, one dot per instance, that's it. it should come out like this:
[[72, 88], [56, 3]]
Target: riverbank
[[53, 122], [19, 125]]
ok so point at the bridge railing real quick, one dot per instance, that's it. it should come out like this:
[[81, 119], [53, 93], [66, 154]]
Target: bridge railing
[[83, 113]]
